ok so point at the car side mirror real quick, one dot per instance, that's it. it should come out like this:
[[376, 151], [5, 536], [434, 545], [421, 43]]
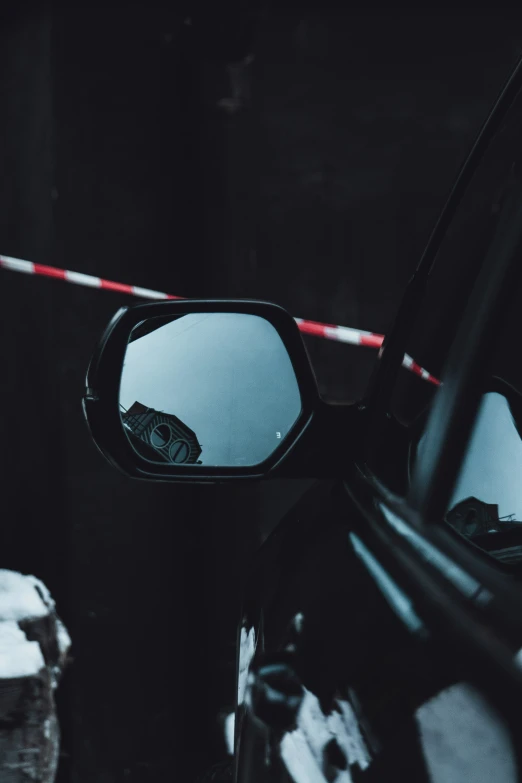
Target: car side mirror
[[208, 390]]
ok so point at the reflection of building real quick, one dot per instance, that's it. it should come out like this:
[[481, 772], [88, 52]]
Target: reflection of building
[[472, 517], [168, 436]]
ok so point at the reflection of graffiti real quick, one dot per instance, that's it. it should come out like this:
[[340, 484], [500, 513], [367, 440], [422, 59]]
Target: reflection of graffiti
[[157, 434]]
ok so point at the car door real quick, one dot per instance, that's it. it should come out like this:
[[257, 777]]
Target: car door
[[448, 528], [399, 621]]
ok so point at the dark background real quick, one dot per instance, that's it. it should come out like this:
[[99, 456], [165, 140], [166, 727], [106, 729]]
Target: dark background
[[119, 159]]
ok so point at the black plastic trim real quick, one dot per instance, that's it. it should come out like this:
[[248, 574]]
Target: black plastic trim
[[465, 375], [318, 445], [483, 636]]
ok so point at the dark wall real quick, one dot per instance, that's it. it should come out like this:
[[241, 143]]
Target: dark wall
[[30, 428], [128, 208], [364, 118], [119, 159]]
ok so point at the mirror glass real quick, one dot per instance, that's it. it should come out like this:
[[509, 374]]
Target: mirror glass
[[214, 389]]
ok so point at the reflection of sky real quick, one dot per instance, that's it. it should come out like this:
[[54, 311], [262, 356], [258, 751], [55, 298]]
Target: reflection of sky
[[492, 468], [227, 376]]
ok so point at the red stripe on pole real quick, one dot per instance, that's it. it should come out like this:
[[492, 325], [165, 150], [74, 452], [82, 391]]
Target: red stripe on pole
[[372, 340], [49, 271], [312, 327], [123, 288]]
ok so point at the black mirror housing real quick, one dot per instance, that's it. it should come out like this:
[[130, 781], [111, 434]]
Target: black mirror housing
[[316, 446]]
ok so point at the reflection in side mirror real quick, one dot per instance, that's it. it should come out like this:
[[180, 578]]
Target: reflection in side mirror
[[213, 389]]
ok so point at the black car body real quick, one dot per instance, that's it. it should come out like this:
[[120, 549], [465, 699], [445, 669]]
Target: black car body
[[381, 631]]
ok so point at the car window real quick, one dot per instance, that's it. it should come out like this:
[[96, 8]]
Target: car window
[[486, 501], [489, 490], [486, 504], [455, 269]]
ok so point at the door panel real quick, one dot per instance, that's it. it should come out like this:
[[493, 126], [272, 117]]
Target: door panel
[[364, 673]]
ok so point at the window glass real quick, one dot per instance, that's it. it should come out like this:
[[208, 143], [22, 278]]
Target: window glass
[[491, 471], [456, 267], [486, 504]]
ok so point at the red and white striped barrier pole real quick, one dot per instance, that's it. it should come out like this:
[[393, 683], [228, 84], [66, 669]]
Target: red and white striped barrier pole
[[344, 334], [18, 265], [341, 334]]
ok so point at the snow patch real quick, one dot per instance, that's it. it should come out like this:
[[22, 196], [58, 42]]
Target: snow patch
[[18, 656], [62, 635], [42, 590], [24, 598], [19, 598]]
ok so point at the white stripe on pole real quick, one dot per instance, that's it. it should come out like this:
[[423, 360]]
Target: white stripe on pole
[[343, 334], [148, 293], [17, 265], [81, 279]]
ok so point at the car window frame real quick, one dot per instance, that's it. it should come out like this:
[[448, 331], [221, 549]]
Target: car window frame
[[377, 400], [453, 414], [456, 403], [486, 627]]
